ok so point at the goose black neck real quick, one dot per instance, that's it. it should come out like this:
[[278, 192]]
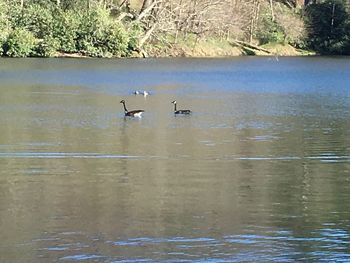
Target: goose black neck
[[124, 107], [174, 106]]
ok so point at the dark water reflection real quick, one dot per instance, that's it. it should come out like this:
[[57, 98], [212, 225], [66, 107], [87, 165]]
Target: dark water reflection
[[258, 173]]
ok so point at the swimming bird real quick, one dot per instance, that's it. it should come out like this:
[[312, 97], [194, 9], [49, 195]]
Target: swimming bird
[[137, 92], [180, 111], [133, 113]]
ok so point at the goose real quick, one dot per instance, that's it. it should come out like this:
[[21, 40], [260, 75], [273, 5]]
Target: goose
[[180, 111], [133, 113], [136, 92]]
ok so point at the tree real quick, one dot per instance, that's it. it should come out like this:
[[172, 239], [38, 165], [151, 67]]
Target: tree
[[329, 27]]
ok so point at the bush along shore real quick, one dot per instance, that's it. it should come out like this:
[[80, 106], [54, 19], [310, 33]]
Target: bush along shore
[[172, 28]]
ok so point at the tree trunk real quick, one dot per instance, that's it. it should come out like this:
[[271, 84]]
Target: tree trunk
[[272, 13], [249, 45], [145, 4], [254, 19], [332, 18]]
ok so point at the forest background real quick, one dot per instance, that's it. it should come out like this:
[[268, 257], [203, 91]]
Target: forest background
[[157, 28]]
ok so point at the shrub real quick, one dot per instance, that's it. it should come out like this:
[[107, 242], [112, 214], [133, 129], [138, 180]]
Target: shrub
[[14, 15], [292, 25], [269, 31], [1, 46], [5, 26], [47, 47], [134, 31], [42, 30], [99, 35], [113, 40], [35, 20], [85, 35], [4, 32], [20, 43], [38, 20], [65, 28], [50, 25]]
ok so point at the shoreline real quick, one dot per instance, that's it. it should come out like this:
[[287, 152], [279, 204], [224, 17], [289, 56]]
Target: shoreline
[[203, 49]]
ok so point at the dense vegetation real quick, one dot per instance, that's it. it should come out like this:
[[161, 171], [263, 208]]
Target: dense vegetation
[[329, 27], [121, 28], [41, 29]]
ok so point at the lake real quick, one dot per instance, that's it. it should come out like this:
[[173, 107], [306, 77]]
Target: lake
[[259, 172]]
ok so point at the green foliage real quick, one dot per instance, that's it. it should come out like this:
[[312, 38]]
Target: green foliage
[[38, 20], [329, 27], [65, 28], [42, 29], [3, 25], [135, 31], [20, 43], [269, 31], [47, 47], [101, 36], [292, 25], [14, 16], [114, 40], [1, 46]]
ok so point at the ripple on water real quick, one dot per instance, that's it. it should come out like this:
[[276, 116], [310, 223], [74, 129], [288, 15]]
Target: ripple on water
[[325, 158], [81, 257], [264, 138], [269, 245], [62, 155], [147, 240]]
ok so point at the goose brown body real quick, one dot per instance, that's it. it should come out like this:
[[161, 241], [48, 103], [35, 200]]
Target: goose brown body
[[132, 113]]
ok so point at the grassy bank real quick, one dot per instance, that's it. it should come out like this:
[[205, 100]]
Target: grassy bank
[[220, 48], [207, 49]]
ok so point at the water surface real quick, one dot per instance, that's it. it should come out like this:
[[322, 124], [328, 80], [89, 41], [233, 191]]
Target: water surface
[[258, 173]]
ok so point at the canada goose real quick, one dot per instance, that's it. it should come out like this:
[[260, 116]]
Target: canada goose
[[133, 113], [180, 111]]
